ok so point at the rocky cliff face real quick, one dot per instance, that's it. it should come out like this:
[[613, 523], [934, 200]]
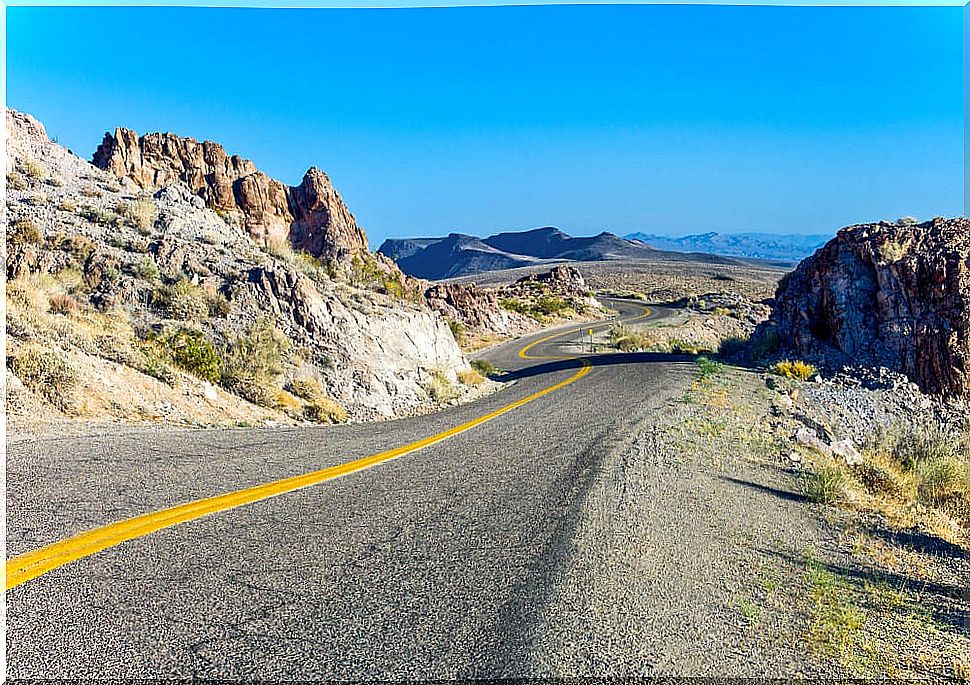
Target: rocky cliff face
[[888, 295], [312, 216], [108, 276]]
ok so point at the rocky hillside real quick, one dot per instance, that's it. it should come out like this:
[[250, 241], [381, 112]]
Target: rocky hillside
[[891, 295], [484, 315], [164, 288], [311, 216]]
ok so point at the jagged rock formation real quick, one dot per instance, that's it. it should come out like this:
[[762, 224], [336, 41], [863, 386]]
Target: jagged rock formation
[[477, 309], [312, 216], [100, 272], [885, 294]]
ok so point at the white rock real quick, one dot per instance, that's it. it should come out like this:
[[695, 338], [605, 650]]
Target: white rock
[[847, 451], [209, 391]]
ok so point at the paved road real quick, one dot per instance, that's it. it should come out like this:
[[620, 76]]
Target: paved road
[[435, 564]]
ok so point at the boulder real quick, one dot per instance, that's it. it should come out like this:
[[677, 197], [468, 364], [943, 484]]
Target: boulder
[[886, 294]]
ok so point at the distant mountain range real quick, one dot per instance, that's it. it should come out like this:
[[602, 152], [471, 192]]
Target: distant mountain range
[[461, 255], [770, 246]]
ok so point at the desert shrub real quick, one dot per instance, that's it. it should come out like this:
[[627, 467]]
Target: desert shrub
[[471, 377], [192, 352], [733, 346], [514, 305], [48, 373], [548, 305], [927, 442], [485, 367], [824, 484], [15, 181], [90, 191], [34, 169], [218, 305], [907, 221], [78, 246], [939, 480], [26, 231], [308, 388], [707, 368], [99, 216], [626, 339], [54, 181], [63, 304], [147, 270], [721, 311], [183, 301], [142, 214], [67, 205], [324, 410], [253, 361], [439, 387], [457, 329], [796, 370]]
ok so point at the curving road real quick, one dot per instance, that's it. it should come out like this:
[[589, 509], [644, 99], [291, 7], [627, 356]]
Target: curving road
[[435, 561]]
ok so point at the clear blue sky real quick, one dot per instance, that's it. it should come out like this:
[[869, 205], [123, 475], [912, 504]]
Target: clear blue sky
[[624, 118]]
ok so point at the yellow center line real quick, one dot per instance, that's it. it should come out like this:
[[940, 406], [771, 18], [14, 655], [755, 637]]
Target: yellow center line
[[30, 565]]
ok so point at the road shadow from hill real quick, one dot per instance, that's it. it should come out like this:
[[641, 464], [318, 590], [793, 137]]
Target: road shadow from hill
[[595, 360]]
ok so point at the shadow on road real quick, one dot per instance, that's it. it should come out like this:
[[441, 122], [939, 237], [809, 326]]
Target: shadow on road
[[596, 360], [783, 494]]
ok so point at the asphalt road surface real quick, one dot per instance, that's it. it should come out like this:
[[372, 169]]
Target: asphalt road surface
[[436, 564]]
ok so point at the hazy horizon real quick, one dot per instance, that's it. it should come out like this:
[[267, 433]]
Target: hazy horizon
[[672, 120]]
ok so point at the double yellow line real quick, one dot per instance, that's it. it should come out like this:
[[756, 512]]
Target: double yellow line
[[25, 567]]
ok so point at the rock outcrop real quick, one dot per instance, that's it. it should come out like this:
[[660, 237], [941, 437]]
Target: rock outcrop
[[312, 216], [561, 279], [475, 308], [893, 295], [102, 273]]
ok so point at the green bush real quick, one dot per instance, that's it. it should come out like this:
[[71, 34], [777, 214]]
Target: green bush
[[457, 329], [191, 352], [707, 368], [147, 270]]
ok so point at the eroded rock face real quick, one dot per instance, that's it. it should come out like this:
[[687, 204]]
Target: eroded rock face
[[888, 295], [312, 215], [476, 308]]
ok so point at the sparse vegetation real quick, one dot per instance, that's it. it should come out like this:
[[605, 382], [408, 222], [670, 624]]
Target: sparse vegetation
[[254, 361], [48, 373], [439, 387], [795, 370], [486, 368], [825, 483], [707, 368], [67, 205], [34, 169], [63, 304], [147, 270], [15, 181], [319, 407], [471, 377], [142, 214], [457, 329], [26, 231], [183, 301]]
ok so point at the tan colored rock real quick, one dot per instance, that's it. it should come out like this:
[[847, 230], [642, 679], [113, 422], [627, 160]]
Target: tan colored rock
[[312, 216]]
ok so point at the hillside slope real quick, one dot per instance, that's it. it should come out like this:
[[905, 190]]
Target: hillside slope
[[128, 302]]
